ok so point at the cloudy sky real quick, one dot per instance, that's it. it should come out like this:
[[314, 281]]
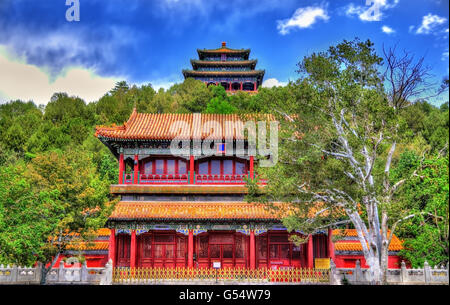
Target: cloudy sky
[[152, 41]]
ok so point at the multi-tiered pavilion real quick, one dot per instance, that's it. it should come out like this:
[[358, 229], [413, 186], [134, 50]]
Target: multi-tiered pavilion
[[230, 68]]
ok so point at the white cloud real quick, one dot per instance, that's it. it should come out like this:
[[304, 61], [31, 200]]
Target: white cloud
[[273, 82], [387, 30], [445, 55], [429, 23], [303, 17], [20, 80], [372, 11]]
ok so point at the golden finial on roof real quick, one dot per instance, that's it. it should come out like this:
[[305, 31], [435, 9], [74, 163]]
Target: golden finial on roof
[[224, 44]]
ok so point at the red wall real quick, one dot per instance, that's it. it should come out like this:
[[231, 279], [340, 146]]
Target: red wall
[[349, 261], [91, 261]]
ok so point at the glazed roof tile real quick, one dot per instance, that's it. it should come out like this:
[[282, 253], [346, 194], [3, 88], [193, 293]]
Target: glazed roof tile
[[167, 126], [191, 210], [83, 246], [355, 245], [226, 72], [224, 63]]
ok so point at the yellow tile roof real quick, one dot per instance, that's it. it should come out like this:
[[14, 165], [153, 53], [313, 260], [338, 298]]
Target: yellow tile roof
[[83, 246], [167, 126], [191, 210], [345, 245]]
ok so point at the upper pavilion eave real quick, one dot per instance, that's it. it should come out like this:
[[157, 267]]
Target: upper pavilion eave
[[233, 63], [223, 50]]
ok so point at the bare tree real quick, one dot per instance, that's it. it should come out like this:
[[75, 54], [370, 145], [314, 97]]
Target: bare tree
[[407, 79]]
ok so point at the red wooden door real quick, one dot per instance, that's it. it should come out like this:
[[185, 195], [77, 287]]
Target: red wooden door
[[145, 253], [164, 250], [276, 251], [123, 250]]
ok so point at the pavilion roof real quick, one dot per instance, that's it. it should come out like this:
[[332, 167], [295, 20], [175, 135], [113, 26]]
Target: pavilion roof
[[196, 62], [175, 210], [354, 245], [259, 73], [223, 50], [91, 246], [167, 126]]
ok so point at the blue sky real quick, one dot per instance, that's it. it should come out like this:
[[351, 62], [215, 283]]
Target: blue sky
[[152, 41]]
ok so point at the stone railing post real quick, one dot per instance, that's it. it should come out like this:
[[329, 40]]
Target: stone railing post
[[403, 273], [14, 273], [427, 272], [84, 273], [447, 271], [61, 271], [358, 273], [38, 273], [334, 276], [107, 275]]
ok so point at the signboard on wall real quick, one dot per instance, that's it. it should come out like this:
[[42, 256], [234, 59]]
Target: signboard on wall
[[322, 263]]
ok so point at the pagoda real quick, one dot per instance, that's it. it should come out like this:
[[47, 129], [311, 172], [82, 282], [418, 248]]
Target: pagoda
[[188, 210], [230, 68]]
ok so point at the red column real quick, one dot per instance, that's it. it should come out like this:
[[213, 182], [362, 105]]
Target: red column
[[310, 252], [191, 249], [133, 249], [251, 167], [136, 169], [242, 87], [112, 247], [231, 85], [252, 250], [191, 170], [330, 244], [121, 168], [254, 86]]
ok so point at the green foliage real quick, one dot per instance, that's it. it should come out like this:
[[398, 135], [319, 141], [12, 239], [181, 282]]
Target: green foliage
[[27, 218], [427, 194], [220, 103], [191, 96]]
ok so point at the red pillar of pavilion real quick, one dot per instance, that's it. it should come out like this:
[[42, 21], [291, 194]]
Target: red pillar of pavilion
[[133, 249], [330, 244], [121, 168], [252, 250], [231, 86], [191, 249], [310, 252], [254, 86], [136, 169], [191, 170], [112, 247], [252, 161]]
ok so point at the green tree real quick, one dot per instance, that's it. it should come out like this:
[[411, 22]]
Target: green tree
[[220, 103], [427, 195], [78, 196], [339, 134], [190, 96], [27, 218]]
